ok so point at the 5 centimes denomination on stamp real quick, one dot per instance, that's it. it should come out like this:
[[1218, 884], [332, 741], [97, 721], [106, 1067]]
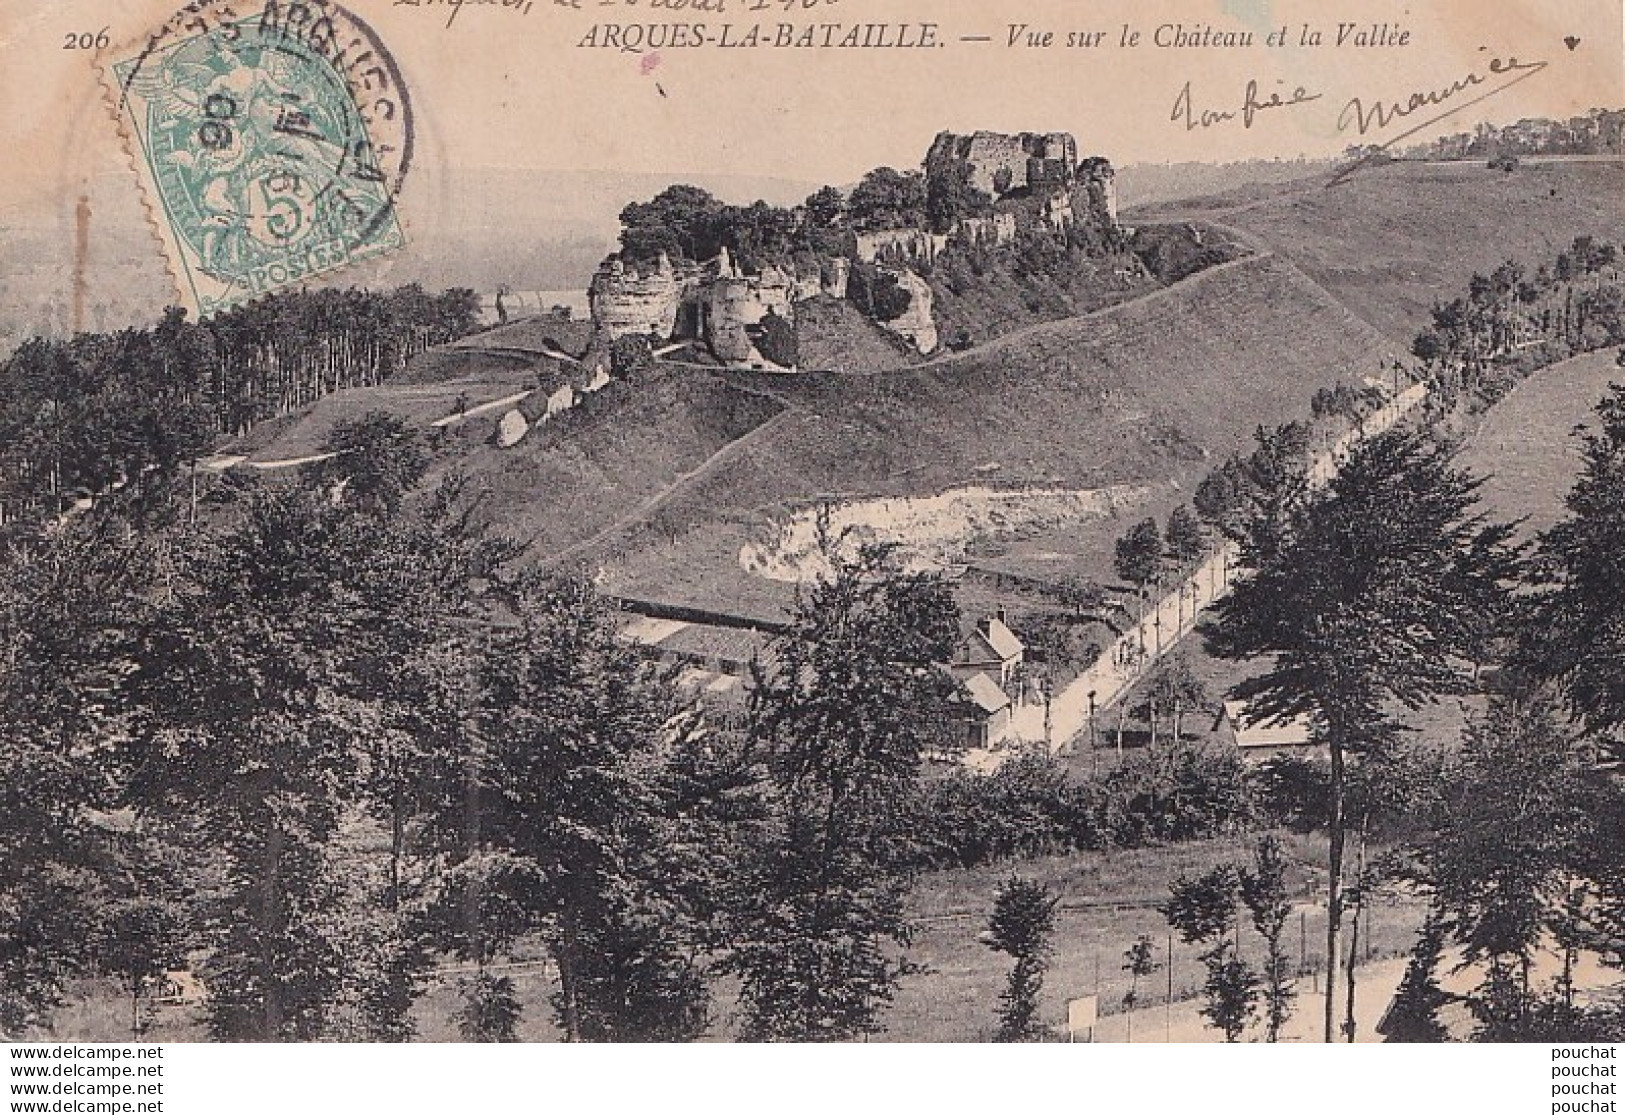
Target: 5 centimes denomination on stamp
[[272, 141]]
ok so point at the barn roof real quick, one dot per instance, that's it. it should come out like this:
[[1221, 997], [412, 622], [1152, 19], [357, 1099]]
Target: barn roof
[[727, 644]]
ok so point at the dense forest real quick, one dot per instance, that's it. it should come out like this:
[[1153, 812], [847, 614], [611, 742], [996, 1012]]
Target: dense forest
[[80, 415]]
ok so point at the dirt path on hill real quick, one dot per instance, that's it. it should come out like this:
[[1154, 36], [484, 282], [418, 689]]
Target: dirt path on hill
[[652, 504], [1061, 325]]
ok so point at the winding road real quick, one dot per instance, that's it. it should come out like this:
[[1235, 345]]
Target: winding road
[[1137, 651]]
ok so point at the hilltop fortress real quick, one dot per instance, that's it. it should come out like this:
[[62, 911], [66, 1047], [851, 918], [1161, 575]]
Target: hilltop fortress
[[993, 187]]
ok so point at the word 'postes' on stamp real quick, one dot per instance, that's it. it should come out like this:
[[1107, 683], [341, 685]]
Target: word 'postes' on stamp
[[271, 140]]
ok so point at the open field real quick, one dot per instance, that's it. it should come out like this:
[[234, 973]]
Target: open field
[[1107, 900], [1390, 240], [418, 405], [1526, 448]]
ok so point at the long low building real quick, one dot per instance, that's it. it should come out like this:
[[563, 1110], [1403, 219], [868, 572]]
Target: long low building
[[716, 660]]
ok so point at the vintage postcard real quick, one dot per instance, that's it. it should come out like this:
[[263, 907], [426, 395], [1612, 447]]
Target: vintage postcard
[[812, 520]]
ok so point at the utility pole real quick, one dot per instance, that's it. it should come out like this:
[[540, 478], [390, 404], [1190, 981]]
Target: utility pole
[[1168, 1003], [1049, 723], [1303, 943], [1094, 750]]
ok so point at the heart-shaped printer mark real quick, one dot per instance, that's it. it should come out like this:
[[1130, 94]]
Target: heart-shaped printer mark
[[1571, 41]]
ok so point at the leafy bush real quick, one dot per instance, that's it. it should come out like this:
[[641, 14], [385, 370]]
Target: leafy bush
[[877, 293], [1029, 806], [1193, 793], [1172, 253], [1039, 253], [950, 198], [1292, 791], [631, 355], [777, 341], [888, 198]]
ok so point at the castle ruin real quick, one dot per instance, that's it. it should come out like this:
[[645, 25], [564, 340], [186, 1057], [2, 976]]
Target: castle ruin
[[1032, 179]]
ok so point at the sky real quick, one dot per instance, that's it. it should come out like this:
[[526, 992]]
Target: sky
[[508, 86]]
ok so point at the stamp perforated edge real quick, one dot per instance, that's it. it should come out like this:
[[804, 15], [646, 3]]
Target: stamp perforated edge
[[170, 250]]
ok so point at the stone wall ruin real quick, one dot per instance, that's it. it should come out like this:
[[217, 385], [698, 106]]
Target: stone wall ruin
[[1033, 178]]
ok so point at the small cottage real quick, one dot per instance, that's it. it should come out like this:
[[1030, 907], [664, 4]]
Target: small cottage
[[989, 648]]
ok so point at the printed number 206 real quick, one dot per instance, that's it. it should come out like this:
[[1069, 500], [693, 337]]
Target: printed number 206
[[85, 40]]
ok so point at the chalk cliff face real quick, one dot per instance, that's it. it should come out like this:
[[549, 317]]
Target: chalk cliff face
[[917, 325]]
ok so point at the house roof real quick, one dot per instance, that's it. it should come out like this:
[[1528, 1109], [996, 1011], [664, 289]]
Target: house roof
[[1001, 638], [648, 631], [1294, 732], [991, 643], [987, 694]]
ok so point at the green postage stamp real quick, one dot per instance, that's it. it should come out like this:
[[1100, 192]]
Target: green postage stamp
[[271, 142]]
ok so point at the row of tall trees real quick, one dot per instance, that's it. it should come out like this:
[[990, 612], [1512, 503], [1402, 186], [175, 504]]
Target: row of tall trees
[[1511, 321], [82, 414], [1599, 131]]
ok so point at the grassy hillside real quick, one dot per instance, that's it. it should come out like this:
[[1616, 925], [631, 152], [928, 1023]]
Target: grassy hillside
[[1150, 392], [418, 404], [1391, 240], [981, 295], [1147, 184], [834, 335], [592, 466], [1526, 448], [661, 482]]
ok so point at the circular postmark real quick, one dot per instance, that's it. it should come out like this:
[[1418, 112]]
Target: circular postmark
[[276, 137]]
